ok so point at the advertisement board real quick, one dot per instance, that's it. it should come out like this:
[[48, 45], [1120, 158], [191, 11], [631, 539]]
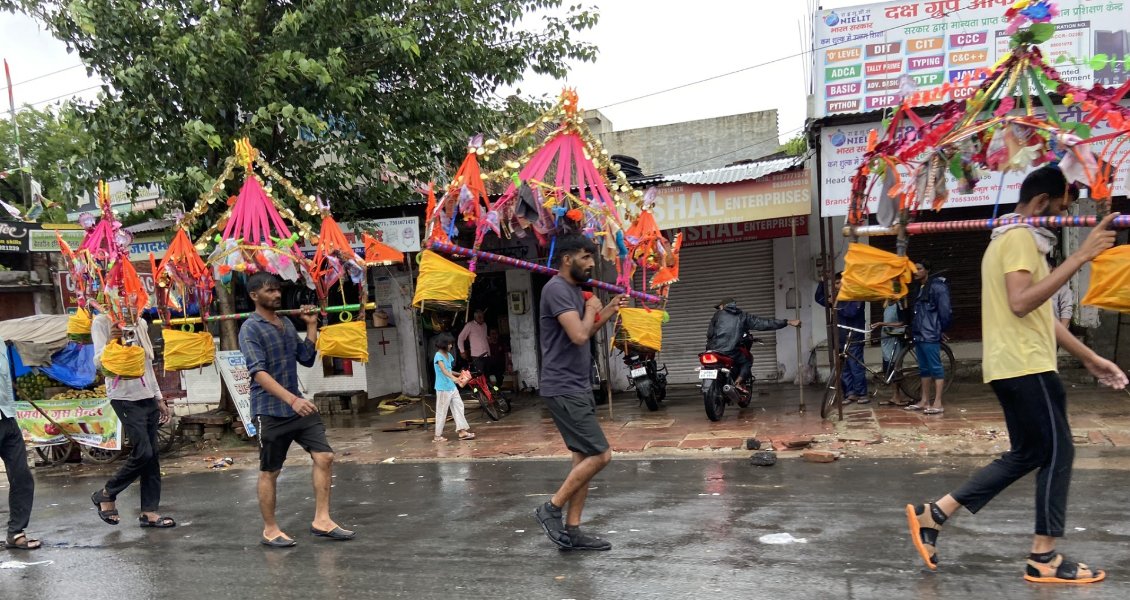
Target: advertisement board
[[862, 51]]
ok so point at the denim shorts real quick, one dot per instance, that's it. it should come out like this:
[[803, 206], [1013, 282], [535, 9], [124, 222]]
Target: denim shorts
[[929, 359]]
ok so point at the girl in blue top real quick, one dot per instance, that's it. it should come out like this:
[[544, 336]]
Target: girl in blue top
[[447, 394]]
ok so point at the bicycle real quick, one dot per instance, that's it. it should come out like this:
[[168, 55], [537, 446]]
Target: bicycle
[[903, 370], [491, 399]]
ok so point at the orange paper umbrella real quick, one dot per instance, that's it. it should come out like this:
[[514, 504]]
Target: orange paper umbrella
[[378, 254], [668, 275], [331, 257]]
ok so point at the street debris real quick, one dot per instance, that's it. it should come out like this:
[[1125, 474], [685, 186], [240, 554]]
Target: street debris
[[820, 456], [764, 458], [781, 538]]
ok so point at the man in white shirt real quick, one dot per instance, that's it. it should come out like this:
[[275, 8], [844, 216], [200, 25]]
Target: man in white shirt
[[476, 331], [21, 485], [141, 408]]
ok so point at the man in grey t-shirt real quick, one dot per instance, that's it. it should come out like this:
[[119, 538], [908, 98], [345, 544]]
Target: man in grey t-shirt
[[567, 323]]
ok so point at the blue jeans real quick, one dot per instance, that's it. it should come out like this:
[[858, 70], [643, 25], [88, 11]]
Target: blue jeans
[[853, 377]]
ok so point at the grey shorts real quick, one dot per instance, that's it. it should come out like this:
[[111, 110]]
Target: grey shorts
[[575, 417]]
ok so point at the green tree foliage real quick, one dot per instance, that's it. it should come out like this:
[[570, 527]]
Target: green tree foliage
[[796, 146], [340, 95], [55, 147]]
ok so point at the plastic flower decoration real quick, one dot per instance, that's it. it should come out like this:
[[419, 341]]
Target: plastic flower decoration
[[1025, 11]]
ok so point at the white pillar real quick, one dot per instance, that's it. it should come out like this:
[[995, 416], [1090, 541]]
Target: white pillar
[[409, 334]]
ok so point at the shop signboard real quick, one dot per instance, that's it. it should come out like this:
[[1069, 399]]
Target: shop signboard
[[233, 370], [861, 52], [710, 235], [91, 422], [784, 194], [35, 237]]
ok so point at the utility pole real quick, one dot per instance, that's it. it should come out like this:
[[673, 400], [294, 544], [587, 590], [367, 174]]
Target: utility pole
[[24, 184]]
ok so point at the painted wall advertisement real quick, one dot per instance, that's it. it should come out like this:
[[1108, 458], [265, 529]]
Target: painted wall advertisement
[[774, 196], [233, 369], [841, 149], [862, 51], [91, 422]]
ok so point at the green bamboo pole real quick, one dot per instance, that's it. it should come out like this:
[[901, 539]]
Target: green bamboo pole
[[287, 313]]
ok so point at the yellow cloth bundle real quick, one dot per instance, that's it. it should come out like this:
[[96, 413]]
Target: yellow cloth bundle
[[872, 275], [187, 350], [344, 340]]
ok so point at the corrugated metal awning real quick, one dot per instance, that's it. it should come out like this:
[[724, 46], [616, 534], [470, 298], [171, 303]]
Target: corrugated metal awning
[[154, 225], [733, 174]]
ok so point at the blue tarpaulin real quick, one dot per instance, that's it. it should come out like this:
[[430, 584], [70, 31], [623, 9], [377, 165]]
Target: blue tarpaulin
[[73, 366]]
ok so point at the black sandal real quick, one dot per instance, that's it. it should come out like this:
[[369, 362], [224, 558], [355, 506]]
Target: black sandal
[[1061, 570], [98, 498], [160, 523], [20, 541], [924, 532]]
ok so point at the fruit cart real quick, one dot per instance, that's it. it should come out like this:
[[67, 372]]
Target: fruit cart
[[59, 408]]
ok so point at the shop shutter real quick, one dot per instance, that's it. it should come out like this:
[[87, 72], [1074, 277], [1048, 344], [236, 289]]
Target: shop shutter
[[743, 270], [957, 257]]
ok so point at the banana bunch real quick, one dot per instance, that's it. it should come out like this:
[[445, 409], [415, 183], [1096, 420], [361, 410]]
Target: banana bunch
[[80, 394]]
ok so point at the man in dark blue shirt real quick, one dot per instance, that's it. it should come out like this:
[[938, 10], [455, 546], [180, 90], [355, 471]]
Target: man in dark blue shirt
[[272, 349], [853, 377]]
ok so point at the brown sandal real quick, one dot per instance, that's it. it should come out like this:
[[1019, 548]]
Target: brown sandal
[[467, 436], [20, 541]]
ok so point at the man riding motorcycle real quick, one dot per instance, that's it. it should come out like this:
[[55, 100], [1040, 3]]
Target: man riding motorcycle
[[726, 330]]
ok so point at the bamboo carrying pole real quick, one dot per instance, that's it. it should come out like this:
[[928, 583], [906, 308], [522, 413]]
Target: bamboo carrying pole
[[1120, 222], [536, 268], [286, 313]]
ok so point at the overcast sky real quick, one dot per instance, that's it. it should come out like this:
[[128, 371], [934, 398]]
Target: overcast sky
[[645, 46]]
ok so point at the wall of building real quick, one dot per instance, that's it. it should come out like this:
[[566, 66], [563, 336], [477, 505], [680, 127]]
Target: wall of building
[[791, 293], [523, 329], [691, 145]]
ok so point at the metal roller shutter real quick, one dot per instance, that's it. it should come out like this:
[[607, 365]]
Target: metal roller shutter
[[707, 274]]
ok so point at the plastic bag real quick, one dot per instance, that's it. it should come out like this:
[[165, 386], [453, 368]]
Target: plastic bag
[[344, 340], [78, 326], [127, 362], [1110, 280], [187, 350], [441, 281], [872, 275], [642, 327]]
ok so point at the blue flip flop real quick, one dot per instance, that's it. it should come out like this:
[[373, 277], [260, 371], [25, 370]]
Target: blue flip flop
[[337, 533]]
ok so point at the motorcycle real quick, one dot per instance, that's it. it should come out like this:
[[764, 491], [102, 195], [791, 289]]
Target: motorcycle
[[647, 377], [717, 378]]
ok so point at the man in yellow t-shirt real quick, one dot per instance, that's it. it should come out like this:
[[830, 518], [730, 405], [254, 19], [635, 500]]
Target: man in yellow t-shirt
[[1020, 336]]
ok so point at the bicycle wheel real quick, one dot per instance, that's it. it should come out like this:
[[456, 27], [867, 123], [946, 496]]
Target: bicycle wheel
[[831, 393], [502, 401], [906, 374], [949, 363], [488, 405]]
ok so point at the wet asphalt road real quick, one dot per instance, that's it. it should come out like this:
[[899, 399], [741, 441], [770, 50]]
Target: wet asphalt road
[[681, 529]]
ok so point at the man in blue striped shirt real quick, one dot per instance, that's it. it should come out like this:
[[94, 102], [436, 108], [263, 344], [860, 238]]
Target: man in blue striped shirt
[[272, 349]]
